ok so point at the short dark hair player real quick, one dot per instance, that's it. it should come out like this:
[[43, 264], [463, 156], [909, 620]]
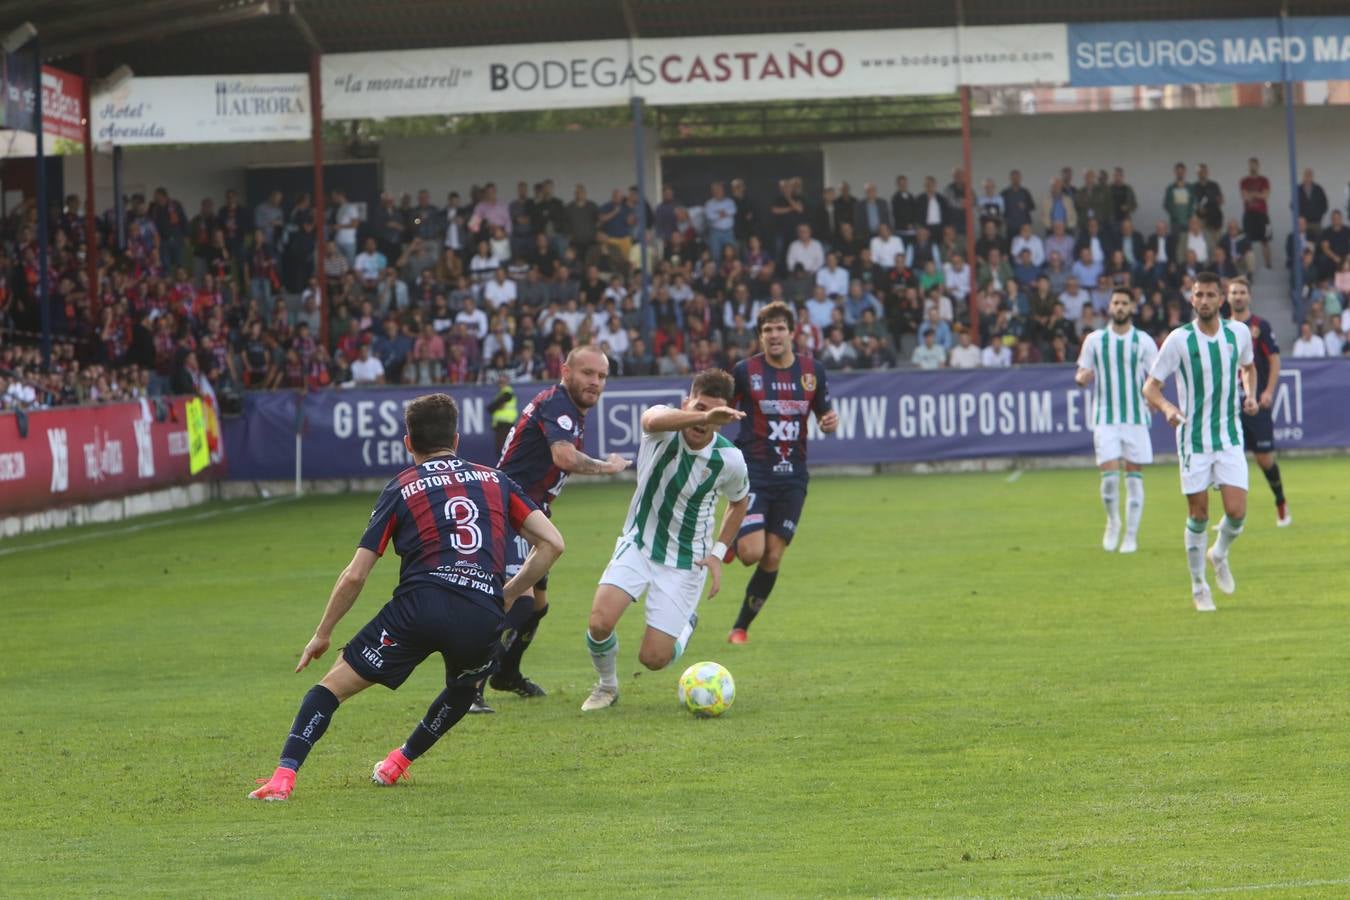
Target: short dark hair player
[[1258, 430], [778, 391], [450, 521]]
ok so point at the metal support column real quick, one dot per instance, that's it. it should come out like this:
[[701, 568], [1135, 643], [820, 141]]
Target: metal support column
[[90, 225], [320, 206], [642, 197], [44, 214], [1296, 262], [970, 215], [119, 201]]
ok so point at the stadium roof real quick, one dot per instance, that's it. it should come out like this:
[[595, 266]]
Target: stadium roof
[[187, 37]]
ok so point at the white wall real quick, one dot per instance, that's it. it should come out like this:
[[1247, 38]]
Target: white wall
[[601, 159], [190, 173], [1147, 144]]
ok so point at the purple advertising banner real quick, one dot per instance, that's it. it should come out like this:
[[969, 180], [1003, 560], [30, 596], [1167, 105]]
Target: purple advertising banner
[[891, 416]]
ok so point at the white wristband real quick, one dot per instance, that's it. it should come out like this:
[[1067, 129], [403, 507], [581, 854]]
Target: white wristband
[[718, 550]]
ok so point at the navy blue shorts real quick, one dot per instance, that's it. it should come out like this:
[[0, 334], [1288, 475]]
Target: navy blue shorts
[[517, 548], [775, 507], [1258, 432], [423, 621]]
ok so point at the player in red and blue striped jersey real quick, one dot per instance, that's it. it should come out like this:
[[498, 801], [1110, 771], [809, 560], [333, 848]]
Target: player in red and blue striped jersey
[[778, 391], [451, 522], [542, 449]]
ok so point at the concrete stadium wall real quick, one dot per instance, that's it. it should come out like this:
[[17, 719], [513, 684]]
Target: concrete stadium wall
[[1147, 144], [601, 159]]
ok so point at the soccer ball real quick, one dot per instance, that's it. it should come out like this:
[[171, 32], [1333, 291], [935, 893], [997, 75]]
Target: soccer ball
[[706, 689]]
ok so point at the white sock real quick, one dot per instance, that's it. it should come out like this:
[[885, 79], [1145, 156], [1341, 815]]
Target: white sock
[[685, 634], [1229, 529], [605, 658], [1111, 495], [1195, 549], [1134, 502]]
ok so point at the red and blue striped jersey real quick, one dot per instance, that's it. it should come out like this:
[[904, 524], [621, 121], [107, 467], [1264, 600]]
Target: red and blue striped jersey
[[777, 404], [1264, 347], [450, 521], [527, 455]]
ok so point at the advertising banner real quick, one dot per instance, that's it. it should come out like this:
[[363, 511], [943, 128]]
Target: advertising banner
[[16, 112], [892, 416], [62, 104], [204, 109], [1211, 51], [90, 453], [672, 71]]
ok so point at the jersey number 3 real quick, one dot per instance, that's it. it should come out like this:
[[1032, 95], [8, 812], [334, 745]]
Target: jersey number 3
[[468, 537]]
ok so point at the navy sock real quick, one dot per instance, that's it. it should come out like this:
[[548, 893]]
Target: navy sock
[[756, 593], [316, 710], [444, 712], [520, 642], [1276, 485]]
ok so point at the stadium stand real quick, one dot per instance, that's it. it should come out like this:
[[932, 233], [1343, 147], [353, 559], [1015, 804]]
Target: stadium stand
[[474, 290]]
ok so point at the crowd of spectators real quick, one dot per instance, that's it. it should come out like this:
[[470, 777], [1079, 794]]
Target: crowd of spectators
[[481, 287]]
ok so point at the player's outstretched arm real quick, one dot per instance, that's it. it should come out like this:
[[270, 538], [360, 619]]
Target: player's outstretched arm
[[669, 418], [571, 460], [731, 526], [1153, 394], [345, 592], [546, 545]]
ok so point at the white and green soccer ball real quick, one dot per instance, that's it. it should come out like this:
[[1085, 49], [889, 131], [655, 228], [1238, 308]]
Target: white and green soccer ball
[[707, 689]]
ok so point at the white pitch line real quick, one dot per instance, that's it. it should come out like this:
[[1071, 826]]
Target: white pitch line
[[1238, 888], [1016, 474], [131, 529]]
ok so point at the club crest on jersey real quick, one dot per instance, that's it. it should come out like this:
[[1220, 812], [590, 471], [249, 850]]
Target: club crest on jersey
[[756, 382], [808, 382], [565, 422]]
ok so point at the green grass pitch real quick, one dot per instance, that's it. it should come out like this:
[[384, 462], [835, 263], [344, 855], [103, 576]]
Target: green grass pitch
[[953, 691]]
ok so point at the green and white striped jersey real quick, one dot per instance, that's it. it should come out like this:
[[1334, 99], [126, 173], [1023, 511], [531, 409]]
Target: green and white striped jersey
[[673, 510], [1119, 364], [1208, 388]]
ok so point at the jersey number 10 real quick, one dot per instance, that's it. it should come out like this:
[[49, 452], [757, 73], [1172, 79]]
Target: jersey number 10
[[467, 537]]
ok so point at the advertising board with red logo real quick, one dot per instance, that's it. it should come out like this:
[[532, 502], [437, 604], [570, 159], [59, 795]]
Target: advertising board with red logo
[[84, 454]]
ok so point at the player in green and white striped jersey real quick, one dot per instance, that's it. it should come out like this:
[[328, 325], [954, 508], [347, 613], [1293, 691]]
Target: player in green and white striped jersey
[[1118, 358], [1216, 380], [667, 550]]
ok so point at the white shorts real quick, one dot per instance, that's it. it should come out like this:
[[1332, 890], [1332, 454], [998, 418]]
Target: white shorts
[[1130, 441], [1200, 471], [672, 594]]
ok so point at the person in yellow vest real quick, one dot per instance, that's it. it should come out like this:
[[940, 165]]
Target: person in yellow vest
[[504, 412]]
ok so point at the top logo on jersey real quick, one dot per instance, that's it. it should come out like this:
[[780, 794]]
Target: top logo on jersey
[[756, 382], [565, 422], [808, 382]]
